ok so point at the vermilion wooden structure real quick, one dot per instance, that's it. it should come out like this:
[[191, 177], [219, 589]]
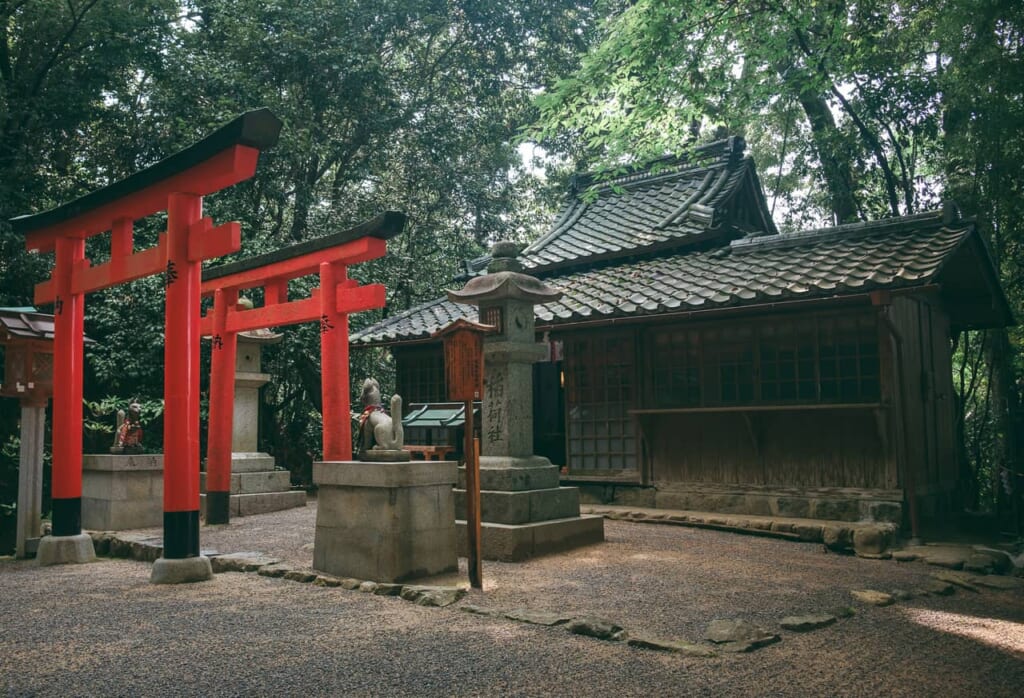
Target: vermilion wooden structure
[[329, 304], [175, 185]]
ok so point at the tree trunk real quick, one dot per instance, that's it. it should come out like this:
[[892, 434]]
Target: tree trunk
[[835, 168], [1005, 398]]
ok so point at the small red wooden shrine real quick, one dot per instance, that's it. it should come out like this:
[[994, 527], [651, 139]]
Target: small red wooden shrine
[[175, 185], [329, 304]]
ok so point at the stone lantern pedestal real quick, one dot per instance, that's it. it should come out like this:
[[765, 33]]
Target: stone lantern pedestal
[[257, 487], [524, 510]]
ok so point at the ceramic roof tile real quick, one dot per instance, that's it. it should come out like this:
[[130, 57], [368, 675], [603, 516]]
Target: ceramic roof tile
[[848, 259], [674, 200]]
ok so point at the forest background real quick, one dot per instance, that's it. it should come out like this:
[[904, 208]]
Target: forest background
[[470, 116]]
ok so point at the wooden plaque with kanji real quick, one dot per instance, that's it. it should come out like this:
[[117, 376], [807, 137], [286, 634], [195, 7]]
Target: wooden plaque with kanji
[[464, 364]]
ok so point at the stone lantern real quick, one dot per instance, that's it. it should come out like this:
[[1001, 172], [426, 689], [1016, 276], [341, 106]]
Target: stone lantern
[[525, 512]]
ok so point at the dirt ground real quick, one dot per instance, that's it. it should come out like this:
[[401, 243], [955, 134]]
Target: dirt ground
[[103, 629]]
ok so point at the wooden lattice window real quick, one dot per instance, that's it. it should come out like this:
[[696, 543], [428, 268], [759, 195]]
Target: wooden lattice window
[[420, 374], [600, 390], [812, 359], [848, 356], [677, 368]]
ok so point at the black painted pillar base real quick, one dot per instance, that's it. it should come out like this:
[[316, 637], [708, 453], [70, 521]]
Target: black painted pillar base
[[181, 534], [218, 507], [67, 516]]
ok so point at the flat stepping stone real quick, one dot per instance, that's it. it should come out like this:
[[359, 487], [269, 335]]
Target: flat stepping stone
[[275, 571], [432, 596], [599, 628], [525, 615], [1001, 583], [806, 623], [687, 649], [481, 611], [326, 581], [937, 588], [304, 576], [387, 589], [241, 562], [947, 560], [960, 579], [873, 598], [750, 645], [738, 635]]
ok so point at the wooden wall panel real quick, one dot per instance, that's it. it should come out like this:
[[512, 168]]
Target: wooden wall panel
[[814, 448]]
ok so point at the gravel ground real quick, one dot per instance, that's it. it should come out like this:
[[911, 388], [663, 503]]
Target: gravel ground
[[103, 629]]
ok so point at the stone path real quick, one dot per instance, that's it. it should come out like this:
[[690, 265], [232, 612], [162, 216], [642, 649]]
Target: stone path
[[652, 592]]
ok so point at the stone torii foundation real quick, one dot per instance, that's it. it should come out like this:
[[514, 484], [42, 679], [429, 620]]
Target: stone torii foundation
[[524, 510]]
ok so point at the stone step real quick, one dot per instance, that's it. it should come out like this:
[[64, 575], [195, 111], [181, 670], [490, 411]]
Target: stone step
[[515, 543], [256, 482], [259, 503], [525, 506], [514, 474], [251, 462]]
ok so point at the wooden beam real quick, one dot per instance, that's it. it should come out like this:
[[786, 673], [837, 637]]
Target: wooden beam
[[351, 252]]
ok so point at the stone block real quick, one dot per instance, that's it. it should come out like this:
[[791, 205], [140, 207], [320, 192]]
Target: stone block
[[884, 512], [254, 482], [837, 509], [794, 507], [387, 522], [259, 503], [516, 543], [183, 571], [122, 491], [514, 474], [251, 462], [872, 540], [361, 474], [524, 506], [264, 502], [62, 550]]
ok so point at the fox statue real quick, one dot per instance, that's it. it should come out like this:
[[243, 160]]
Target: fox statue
[[379, 431]]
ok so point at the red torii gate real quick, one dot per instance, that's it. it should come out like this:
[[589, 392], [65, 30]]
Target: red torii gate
[[330, 304], [175, 185]]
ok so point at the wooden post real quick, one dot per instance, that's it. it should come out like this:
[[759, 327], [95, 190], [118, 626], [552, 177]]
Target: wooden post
[[68, 339], [472, 502], [30, 475], [464, 376], [181, 382], [337, 422]]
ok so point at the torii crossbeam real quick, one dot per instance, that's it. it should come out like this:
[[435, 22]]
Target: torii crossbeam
[[329, 304], [175, 185]]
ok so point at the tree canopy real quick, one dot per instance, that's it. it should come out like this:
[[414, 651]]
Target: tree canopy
[[854, 110]]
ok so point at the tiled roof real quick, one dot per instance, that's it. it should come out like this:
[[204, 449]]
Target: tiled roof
[[666, 204], [672, 202], [26, 323], [889, 254]]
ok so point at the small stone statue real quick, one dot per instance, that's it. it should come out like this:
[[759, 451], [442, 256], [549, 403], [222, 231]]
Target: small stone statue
[[128, 434], [381, 435]]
